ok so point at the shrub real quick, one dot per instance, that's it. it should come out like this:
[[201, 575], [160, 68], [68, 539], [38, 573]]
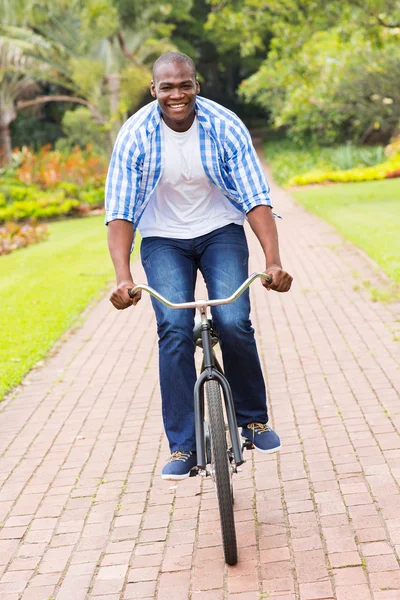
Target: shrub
[[288, 159], [348, 156], [45, 205], [51, 184], [93, 197], [48, 168], [381, 171]]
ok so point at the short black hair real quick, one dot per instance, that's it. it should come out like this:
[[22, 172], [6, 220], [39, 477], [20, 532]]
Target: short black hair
[[173, 57]]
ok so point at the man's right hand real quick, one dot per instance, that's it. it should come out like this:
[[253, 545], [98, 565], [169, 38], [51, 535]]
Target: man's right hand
[[120, 297]]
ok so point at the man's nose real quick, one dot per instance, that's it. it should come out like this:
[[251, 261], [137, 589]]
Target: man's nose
[[176, 93]]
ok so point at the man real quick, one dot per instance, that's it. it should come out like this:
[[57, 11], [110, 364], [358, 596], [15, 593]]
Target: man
[[185, 173]]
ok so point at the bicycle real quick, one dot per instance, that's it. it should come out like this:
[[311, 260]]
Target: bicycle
[[216, 456]]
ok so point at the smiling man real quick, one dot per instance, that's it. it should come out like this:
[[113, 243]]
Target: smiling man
[[185, 173]]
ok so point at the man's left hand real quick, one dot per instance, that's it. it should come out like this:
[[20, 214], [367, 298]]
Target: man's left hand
[[281, 281]]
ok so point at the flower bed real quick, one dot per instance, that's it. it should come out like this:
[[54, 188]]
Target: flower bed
[[45, 186], [13, 236], [388, 169], [51, 184]]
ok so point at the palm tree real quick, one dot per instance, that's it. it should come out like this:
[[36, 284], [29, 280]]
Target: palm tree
[[94, 60], [15, 85]]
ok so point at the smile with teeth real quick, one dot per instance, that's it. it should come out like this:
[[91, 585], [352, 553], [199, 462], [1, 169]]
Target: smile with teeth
[[177, 105]]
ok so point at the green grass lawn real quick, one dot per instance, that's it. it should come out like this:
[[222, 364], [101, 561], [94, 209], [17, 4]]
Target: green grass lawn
[[367, 214], [44, 288]]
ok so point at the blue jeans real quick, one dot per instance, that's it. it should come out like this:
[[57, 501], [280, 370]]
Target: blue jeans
[[171, 268]]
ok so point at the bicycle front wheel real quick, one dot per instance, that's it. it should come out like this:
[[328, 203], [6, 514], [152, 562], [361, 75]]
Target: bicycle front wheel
[[221, 470]]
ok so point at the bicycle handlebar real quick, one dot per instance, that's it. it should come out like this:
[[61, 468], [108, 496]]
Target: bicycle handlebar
[[200, 303]]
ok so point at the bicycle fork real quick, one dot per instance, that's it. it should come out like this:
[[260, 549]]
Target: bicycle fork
[[210, 373]]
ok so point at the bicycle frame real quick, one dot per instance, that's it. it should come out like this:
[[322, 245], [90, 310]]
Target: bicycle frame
[[211, 370]]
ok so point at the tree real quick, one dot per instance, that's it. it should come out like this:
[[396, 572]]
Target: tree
[[86, 48], [330, 68]]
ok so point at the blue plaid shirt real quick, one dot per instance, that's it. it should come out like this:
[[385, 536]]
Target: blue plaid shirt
[[227, 154]]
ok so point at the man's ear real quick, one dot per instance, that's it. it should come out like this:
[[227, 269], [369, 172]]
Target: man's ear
[[153, 89], [197, 86]]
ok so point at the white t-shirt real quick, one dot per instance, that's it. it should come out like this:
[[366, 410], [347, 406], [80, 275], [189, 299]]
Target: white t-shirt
[[185, 204]]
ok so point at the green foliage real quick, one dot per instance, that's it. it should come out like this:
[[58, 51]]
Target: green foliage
[[46, 205], [86, 73], [93, 197], [54, 297], [331, 89], [348, 156], [99, 20], [80, 130], [367, 214], [37, 130], [288, 160], [135, 81], [330, 68], [233, 27], [30, 202]]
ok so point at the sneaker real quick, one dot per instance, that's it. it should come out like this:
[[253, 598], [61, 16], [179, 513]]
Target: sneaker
[[264, 439], [179, 465]]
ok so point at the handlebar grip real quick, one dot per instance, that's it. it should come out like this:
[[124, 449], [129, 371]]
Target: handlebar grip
[[269, 278], [130, 293]]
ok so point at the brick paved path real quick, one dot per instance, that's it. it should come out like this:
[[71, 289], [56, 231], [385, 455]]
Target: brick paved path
[[85, 514]]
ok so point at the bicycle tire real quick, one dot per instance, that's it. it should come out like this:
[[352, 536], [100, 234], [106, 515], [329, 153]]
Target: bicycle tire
[[222, 471]]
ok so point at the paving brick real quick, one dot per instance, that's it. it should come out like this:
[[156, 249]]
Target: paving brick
[[107, 586], [349, 576], [384, 562], [345, 559], [137, 591], [217, 595], [279, 586], [239, 596], [387, 595], [243, 583], [143, 574], [353, 592], [385, 580], [316, 591], [38, 593], [376, 549]]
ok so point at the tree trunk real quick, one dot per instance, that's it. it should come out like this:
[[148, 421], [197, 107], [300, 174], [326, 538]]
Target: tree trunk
[[5, 144], [114, 91]]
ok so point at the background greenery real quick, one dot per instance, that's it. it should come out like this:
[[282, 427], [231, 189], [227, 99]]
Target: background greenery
[[287, 159], [318, 70]]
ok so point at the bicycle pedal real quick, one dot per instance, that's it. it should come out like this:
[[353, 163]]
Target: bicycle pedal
[[194, 472], [248, 445]]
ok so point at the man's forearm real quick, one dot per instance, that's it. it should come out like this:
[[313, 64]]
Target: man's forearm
[[120, 239], [262, 223]]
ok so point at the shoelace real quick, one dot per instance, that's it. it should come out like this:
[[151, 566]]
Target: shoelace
[[259, 428], [179, 455]]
